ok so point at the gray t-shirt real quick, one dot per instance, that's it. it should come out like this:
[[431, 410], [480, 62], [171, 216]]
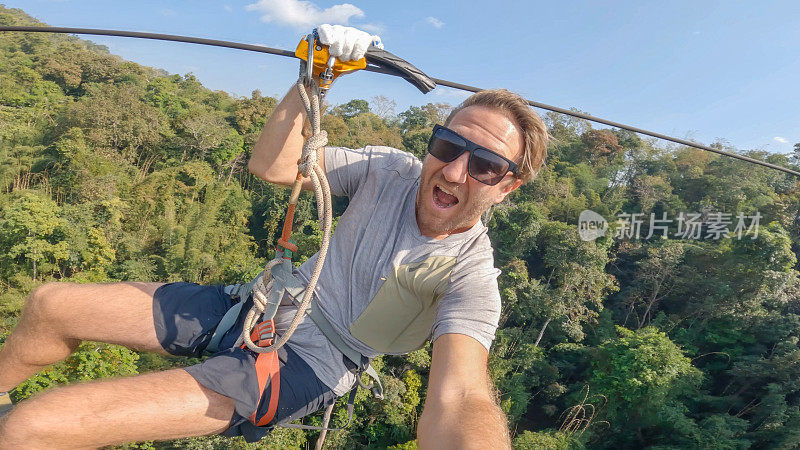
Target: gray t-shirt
[[385, 287]]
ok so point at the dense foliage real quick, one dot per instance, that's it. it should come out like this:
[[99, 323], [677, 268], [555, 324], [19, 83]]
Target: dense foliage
[[112, 171]]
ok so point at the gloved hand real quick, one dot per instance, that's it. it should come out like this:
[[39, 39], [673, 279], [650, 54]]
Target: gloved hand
[[347, 43]]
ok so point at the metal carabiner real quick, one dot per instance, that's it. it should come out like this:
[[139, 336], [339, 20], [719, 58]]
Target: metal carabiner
[[311, 38]]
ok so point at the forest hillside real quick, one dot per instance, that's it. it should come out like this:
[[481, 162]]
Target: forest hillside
[[677, 328]]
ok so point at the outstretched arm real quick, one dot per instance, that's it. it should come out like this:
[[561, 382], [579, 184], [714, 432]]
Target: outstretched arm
[[280, 145], [460, 411], [275, 155]]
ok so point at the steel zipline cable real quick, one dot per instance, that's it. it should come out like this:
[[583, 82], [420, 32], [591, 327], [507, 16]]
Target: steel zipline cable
[[373, 67]]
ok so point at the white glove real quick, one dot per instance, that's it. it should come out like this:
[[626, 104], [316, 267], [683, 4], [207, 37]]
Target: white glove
[[347, 43]]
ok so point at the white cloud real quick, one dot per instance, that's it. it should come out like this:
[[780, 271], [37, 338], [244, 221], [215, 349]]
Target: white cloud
[[371, 28], [434, 22], [304, 14], [449, 93], [227, 8], [781, 140]]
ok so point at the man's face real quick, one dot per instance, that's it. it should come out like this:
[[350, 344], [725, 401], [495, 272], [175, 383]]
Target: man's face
[[449, 200]]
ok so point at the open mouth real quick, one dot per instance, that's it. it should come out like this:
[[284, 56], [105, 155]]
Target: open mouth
[[442, 198]]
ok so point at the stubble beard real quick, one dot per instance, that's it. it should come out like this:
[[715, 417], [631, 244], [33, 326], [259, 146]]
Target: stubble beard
[[431, 223]]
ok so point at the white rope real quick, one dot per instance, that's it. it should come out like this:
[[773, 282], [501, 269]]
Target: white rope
[[309, 167]]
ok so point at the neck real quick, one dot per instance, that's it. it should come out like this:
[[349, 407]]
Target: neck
[[441, 235]]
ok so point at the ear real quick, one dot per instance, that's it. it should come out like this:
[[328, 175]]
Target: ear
[[507, 189]]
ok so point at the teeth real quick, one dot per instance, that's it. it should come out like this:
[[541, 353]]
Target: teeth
[[446, 191]]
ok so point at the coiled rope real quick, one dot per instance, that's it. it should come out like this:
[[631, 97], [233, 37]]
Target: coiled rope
[[307, 167]]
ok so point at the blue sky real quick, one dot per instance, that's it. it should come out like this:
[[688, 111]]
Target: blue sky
[[704, 70]]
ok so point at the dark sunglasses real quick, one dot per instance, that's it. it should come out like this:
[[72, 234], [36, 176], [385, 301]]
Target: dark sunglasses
[[484, 165]]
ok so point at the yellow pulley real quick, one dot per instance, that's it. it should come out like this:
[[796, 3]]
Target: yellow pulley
[[324, 68]]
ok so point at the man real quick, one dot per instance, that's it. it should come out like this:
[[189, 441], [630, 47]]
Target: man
[[410, 260]]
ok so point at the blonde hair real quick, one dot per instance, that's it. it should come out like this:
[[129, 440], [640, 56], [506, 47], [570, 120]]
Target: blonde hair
[[530, 125]]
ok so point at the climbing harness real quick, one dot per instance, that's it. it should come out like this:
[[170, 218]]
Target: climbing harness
[[381, 61], [317, 72]]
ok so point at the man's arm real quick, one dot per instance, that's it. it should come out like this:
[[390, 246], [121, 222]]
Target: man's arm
[[460, 411], [280, 145]]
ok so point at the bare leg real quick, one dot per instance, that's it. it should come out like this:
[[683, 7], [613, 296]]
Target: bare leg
[[155, 406], [58, 316]]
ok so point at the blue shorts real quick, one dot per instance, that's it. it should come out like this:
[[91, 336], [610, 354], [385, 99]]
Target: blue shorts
[[185, 316]]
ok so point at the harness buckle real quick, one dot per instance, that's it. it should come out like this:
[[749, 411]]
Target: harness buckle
[[263, 334]]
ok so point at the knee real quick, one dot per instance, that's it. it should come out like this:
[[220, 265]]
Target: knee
[[46, 302], [49, 309], [20, 428], [10, 432], [50, 419]]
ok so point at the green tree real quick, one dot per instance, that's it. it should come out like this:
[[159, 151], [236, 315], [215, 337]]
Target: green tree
[[90, 361], [352, 108], [644, 375], [115, 118], [549, 439], [31, 233], [573, 273]]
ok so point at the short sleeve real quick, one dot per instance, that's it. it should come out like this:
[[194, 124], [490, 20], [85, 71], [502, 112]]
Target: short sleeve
[[471, 305], [347, 169]]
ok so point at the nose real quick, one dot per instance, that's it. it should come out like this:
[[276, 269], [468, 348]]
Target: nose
[[456, 171]]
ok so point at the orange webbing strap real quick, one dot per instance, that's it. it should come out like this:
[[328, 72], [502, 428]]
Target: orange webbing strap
[[283, 241], [288, 222], [268, 369]]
